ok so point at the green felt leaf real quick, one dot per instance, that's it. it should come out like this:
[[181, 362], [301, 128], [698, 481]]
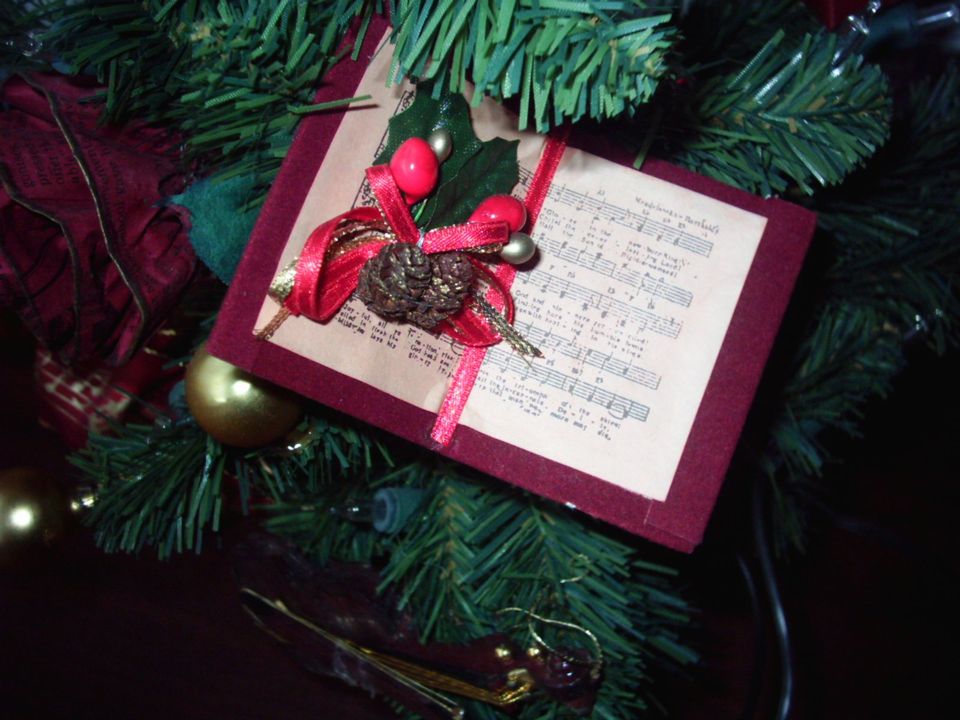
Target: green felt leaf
[[220, 221], [475, 169], [492, 171]]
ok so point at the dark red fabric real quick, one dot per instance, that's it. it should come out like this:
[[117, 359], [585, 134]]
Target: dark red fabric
[[677, 522], [89, 258]]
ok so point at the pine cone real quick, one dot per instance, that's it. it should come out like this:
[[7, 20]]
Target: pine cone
[[404, 283]]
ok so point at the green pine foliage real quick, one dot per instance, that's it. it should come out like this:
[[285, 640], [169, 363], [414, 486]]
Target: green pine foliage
[[476, 547], [472, 549], [719, 36], [892, 233], [897, 220], [789, 117], [19, 45], [155, 489], [163, 487], [564, 60], [233, 77]]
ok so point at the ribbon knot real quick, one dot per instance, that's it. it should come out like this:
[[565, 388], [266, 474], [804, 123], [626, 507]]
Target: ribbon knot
[[328, 269]]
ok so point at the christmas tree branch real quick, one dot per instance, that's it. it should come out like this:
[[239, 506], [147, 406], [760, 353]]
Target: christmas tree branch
[[154, 489], [20, 46], [474, 548], [564, 60], [895, 246], [720, 36], [234, 78], [495, 548], [789, 116]]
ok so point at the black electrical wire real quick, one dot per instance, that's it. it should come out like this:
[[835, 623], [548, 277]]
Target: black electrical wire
[[759, 642], [781, 629]]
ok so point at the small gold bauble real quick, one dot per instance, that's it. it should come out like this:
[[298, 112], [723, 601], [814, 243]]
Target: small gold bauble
[[441, 142], [235, 407], [33, 508], [519, 249]]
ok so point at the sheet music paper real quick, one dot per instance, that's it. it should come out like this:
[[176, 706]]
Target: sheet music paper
[[629, 299]]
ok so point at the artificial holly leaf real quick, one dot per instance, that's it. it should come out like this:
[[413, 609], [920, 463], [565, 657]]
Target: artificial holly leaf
[[473, 168], [426, 114], [492, 171]]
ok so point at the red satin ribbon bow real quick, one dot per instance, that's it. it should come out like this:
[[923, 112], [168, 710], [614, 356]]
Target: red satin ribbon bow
[[329, 266]]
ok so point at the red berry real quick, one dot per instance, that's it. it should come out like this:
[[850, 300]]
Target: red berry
[[412, 199], [415, 168], [505, 208]]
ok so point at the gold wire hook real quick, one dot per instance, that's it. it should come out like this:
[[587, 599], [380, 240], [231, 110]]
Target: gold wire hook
[[597, 664]]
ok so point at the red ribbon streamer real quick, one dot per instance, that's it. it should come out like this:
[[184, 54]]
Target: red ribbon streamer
[[467, 371], [319, 290], [322, 285]]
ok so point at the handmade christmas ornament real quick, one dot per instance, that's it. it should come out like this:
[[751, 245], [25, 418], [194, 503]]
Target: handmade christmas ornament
[[655, 300], [237, 408], [90, 258], [334, 621], [33, 509]]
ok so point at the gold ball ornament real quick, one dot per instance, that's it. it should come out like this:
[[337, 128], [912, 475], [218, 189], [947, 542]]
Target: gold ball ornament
[[33, 509], [235, 407], [441, 142], [520, 248]]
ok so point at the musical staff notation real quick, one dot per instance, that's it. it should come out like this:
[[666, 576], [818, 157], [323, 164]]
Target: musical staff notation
[[618, 406], [638, 222], [595, 262], [647, 320], [604, 362]]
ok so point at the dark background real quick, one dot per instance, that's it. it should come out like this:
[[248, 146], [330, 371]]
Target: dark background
[[872, 605], [872, 608]]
